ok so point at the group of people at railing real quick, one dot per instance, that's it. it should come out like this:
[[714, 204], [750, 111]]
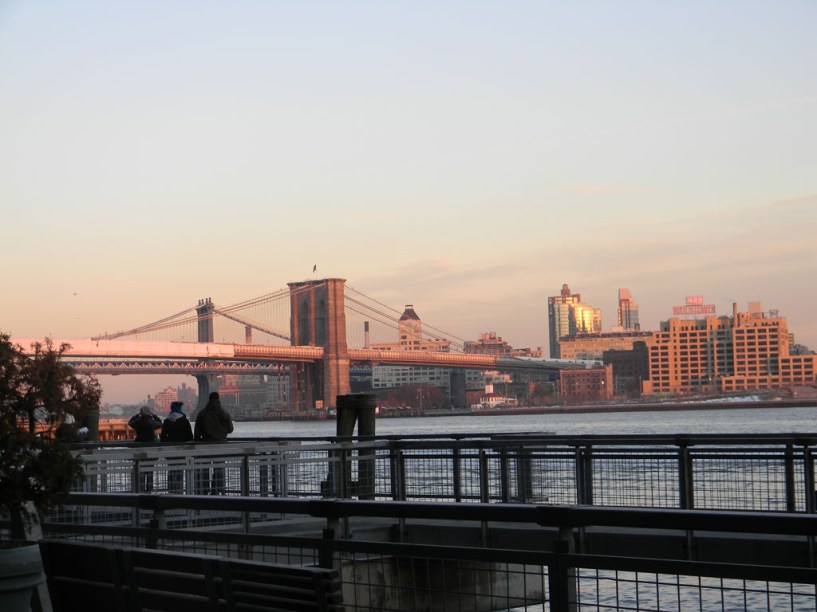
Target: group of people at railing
[[213, 424]]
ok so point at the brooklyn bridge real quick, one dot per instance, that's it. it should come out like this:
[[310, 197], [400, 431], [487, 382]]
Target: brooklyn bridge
[[312, 331]]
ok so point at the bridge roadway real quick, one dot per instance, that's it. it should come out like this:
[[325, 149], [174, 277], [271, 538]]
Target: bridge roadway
[[164, 357]]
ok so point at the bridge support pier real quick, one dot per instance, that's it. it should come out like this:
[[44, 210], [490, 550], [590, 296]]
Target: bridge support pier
[[205, 386], [319, 319], [458, 386]]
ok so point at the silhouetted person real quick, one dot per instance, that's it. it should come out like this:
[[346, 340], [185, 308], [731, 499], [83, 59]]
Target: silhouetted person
[[145, 424], [69, 432], [213, 424], [176, 428]]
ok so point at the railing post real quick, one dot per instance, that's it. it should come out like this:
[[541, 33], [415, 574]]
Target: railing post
[[103, 475], [326, 548], [577, 468], [457, 475], [397, 475], [398, 485], [136, 483], [366, 470], [561, 575], [401, 459], [279, 473], [245, 471], [685, 489], [91, 477], [808, 477], [263, 475], [584, 475], [338, 483], [810, 494], [504, 475], [157, 522], [135, 486], [524, 475], [345, 471], [484, 494], [686, 495], [245, 485], [791, 499]]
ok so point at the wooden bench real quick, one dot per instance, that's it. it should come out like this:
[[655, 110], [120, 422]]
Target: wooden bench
[[94, 577]]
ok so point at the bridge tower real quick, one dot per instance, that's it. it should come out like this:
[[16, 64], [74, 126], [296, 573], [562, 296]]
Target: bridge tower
[[319, 319], [205, 312]]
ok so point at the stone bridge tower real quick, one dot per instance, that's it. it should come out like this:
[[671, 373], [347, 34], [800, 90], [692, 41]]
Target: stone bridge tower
[[206, 382], [318, 318]]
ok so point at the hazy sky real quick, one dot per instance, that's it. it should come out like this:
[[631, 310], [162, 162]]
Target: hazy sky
[[465, 157]]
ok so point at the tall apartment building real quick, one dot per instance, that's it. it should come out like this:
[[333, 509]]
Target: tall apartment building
[[559, 317], [627, 311], [585, 319], [568, 316], [747, 352]]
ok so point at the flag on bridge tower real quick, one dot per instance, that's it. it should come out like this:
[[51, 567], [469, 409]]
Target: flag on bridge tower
[[315, 267]]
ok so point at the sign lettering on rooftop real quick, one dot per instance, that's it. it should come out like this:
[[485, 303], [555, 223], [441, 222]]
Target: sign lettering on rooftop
[[694, 306]]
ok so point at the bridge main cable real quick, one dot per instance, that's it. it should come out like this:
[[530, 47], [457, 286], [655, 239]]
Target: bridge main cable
[[149, 327]]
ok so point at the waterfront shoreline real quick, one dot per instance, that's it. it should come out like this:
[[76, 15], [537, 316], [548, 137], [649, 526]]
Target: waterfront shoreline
[[645, 407], [623, 407]]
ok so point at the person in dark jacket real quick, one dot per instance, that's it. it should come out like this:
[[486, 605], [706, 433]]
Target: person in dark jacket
[[145, 425], [213, 424], [176, 428]]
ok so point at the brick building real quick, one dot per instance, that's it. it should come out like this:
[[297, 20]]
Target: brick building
[[630, 368], [593, 346], [746, 352], [586, 384]]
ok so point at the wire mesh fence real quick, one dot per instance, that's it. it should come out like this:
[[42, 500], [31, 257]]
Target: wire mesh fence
[[704, 476], [603, 590], [406, 571]]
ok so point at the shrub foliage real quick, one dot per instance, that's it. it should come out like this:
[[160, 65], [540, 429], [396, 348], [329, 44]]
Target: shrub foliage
[[38, 393]]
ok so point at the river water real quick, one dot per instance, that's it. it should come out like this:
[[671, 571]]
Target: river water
[[722, 421]]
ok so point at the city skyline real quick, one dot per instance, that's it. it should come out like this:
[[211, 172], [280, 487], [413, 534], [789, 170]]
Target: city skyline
[[468, 159], [408, 333]]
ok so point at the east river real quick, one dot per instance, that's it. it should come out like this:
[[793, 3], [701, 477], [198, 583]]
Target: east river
[[721, 421]]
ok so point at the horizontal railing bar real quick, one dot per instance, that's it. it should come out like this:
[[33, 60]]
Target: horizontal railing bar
[[221, 449], [551, 516], [569, 440]]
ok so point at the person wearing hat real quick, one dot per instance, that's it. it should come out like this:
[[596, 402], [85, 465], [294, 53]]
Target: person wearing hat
[[176, 428], [145, 424]]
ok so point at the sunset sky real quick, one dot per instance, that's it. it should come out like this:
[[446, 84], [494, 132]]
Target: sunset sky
[[464, 157]]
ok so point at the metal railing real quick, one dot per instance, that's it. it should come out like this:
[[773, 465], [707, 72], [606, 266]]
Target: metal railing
[[504, 556], [482, 523], [758, 473]]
